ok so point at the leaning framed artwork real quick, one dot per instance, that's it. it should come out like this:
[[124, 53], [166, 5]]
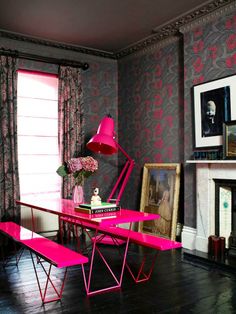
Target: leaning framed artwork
[[160, 195], [229, 140], [213, 105]]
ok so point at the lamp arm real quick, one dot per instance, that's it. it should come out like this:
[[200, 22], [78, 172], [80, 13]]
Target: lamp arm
[[123, 152], [123, 177]]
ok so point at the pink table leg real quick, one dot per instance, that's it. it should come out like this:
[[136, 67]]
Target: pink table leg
[[33, 220], [118, 279]]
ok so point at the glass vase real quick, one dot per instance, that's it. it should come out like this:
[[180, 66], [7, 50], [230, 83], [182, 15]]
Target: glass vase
[[78, 194]]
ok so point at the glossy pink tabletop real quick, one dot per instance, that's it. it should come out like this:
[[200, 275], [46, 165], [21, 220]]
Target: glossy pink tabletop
[[63, 207]]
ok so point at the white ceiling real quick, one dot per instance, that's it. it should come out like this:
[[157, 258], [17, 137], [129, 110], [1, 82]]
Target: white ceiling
[[106, 25]]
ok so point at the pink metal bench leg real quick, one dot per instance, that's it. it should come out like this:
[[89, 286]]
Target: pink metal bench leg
[[48, 274], [17, 257], [141, 273]]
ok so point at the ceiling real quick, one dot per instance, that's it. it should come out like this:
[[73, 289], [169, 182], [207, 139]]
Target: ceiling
[[103, 25]]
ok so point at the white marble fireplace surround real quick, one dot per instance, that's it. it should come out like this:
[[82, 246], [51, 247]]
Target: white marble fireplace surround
[[206, 172]]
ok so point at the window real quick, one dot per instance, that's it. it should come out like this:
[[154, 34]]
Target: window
[[37, 126]]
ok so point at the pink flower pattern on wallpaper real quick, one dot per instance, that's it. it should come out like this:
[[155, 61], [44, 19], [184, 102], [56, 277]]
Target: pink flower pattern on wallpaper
[[158, 100], [230, 23], [198, 46], [101, 76], [158, 113], [198, 80], [231, 61], [159, 143], [231, 42], [212, 52], [197, 32], [198, 65]]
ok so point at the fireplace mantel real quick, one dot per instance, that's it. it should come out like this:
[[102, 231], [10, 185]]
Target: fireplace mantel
[[206, 172], [225, 161]]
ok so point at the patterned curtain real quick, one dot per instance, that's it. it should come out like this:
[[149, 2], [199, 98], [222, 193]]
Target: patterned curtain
[[71, 119], [9, 177]]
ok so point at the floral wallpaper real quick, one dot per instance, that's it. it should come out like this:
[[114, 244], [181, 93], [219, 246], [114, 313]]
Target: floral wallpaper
[[150, 112], [209, 54], [155, 102], [100, 98]]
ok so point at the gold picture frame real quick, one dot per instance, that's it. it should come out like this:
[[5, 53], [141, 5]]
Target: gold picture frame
[[160, 195], [229, 140]]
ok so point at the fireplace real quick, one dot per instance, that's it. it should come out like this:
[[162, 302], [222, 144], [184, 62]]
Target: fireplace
[[225, 209], [215, 204]]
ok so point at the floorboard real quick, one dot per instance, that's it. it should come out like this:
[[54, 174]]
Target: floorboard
[[175, 287]]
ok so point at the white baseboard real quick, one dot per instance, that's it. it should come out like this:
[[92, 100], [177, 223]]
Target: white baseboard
[[188, 238], [202, 244]]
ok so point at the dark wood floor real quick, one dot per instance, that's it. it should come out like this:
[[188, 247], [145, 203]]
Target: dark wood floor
[[175, 287]]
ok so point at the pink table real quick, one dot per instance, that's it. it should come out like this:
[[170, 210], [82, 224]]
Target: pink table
[[65, 209]]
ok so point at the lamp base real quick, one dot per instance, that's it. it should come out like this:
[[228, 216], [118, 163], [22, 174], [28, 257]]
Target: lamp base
[[108, 241]]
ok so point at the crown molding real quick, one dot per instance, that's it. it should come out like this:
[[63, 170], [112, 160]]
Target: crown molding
[[152, 48], [206, 18], [173, 28], [202, 14], [48, 43]]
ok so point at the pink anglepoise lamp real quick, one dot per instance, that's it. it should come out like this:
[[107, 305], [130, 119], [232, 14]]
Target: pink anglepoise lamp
[[104, 143]]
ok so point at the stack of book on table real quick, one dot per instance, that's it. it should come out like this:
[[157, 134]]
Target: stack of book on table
[[104, 208]]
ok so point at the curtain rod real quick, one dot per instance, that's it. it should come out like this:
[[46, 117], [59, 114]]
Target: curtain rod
[[32, 57]]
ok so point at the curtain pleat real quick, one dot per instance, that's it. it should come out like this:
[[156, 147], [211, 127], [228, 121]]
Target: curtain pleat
[[9, 175], [70, 119]]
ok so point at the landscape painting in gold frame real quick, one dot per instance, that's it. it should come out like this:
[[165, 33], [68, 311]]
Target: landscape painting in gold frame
[[160, 195], [229, 140]]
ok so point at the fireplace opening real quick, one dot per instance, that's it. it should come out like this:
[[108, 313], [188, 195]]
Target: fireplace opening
[[225, 212]]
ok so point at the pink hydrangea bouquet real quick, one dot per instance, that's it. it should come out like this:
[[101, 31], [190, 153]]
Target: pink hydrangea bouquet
[[80, 168]]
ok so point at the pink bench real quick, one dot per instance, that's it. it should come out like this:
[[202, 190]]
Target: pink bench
[[52, 252], [144, 240], [139, 238]]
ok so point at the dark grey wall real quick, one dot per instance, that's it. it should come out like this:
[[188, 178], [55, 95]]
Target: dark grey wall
[[155, 103], [150, 111], [209, 54]]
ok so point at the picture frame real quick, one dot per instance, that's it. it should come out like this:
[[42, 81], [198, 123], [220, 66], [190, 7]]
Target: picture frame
[[160, 195], [213, 105], [229, 140]]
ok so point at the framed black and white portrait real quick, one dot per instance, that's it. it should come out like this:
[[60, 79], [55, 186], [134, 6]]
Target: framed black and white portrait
[[213, 105]]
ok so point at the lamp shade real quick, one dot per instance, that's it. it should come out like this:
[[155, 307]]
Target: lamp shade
[[103, 142]]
